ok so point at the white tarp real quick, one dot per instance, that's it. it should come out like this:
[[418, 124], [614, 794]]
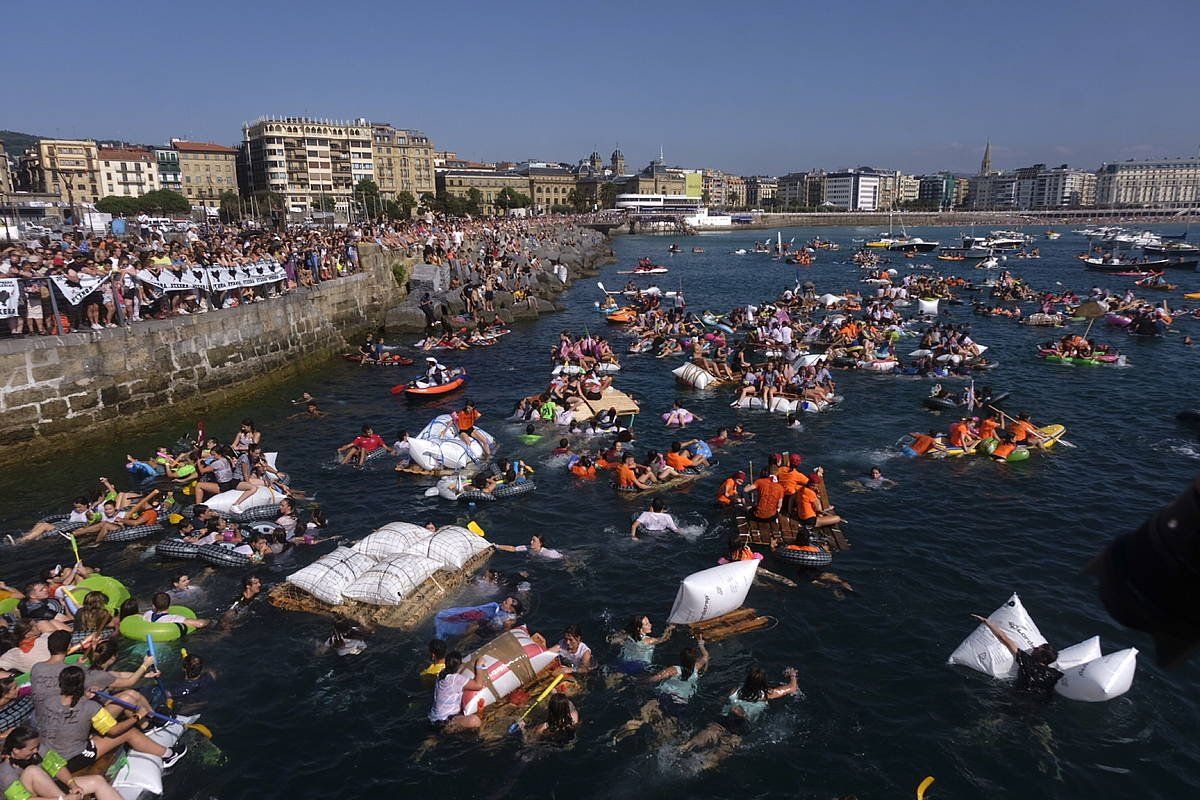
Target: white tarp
[[326, 577], [393, 538], [451, 546], [1100, 679], [713, 592], [389, 582]]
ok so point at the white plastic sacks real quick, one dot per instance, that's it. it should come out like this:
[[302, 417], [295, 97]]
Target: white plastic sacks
[[326, 577], [390, 539], [1101, 679], [438, 446], [713, 592], [451, 546], [694, 376], [223, 502], [389, 582], [1088, 676], [927, 307], [982, 651]]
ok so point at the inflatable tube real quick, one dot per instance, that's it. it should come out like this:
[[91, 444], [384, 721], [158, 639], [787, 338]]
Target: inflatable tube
[[476, 496], [138, 628], [265, 528], [258, 513], [134, 533], [514, 489], [511, 660], [983, 652], [1020, 454], [1099, 680], [223, 503], [712, 592], [176, 548], [111, 588], [678, 419], [221, 556], [16, 712], [804, 555], [421, 389], [8, 605]]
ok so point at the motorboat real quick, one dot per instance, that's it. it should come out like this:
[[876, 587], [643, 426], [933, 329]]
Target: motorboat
[[997, 240], [912, 244]]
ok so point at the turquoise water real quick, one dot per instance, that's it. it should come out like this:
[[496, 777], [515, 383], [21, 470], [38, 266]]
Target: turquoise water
[[880, 708]]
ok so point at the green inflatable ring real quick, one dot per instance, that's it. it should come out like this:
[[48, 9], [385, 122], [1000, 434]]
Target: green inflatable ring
[[137, 627], [987, 446], [1020, 454], [9, 604], [111, 588]]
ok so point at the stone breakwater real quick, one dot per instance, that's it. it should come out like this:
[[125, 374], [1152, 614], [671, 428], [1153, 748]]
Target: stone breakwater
[[98, 385], [579, 251]]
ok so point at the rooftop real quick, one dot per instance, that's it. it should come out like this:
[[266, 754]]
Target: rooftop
[[122, 154]]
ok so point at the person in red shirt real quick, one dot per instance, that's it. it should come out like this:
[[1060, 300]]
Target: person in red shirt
[[363, 446], [729, 495], [465, 420], [770, 494]]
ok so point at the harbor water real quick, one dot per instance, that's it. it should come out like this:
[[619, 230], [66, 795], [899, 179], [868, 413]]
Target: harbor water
[[880, 708]]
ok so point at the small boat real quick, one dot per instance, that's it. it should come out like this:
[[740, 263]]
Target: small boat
[[1156, 283], [655, 270], [622, 316], [422, 388], [697, 249], [1110, 264], [741, 251], [1052, 235], [912, 244], [673, 249]]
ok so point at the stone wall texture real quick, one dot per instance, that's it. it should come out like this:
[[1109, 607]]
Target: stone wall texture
[[94, 385]]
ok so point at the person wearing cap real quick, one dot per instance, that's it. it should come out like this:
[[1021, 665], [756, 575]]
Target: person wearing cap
[[435, 372], [730, 493], [792, 478]]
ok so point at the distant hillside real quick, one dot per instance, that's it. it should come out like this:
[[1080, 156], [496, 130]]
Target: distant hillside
[[16, 143]]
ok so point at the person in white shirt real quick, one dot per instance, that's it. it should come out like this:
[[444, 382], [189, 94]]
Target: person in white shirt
[[536, 548], [447, 713], [653, 521]]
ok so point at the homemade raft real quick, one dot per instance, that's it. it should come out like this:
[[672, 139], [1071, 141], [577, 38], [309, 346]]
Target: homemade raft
[[710, 601], [415, 608], [788, 530], [743, 620], [610, 398]]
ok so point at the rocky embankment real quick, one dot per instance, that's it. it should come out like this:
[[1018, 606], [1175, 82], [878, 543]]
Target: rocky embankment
[[569, 252]]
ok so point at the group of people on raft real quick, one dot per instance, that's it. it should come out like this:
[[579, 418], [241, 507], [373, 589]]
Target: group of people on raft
[[967, 433]]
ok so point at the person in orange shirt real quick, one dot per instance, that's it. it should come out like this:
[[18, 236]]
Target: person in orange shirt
[[960, 435], [988, 427], [791, 478], [729, 495], [465, 420], [627, 479], [923, 443], [584, 468], [810, 510], [678, 459], [770, 496], [1022, 429]]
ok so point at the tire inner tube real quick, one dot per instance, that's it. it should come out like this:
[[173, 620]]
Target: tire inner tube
[[138, 628], [221, 556], [176, 548], [134, 533]]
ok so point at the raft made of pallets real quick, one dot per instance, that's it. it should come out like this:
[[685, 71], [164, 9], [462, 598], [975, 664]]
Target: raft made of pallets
[[742, 620], [418, 606], [788, 530]]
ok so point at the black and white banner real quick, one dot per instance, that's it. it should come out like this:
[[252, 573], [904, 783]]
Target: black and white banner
[[217, 279], [76, 292], [10, 297]]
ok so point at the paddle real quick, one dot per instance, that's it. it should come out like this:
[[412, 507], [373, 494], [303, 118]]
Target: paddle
[[201, 729], [924, 787], [158, 680], [516, 726], [474, 528], [1004, 416]]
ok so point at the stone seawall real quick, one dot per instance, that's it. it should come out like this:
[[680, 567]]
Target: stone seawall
[[90, 386]]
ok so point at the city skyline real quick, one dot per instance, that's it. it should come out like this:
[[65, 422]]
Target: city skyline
[[917, 91]]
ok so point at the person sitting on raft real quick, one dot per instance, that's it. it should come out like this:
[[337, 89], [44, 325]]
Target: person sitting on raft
[[361, 447], [573, 654], [160, 613], [959, 435], [769, 495], [68, 721], [922, 443], [655, 520], [22, 764], [446, 713], [216, 472], [1022, 430], [466, 419], [42, 610], [627, 476], [485, 483], [745, 705], [81, 512], [536, 548], [638, 642], [730, 493], [809, 509]]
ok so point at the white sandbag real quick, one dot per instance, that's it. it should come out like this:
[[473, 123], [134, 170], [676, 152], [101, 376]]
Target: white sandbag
[[830, 299], [326, 577], [393, 538], [1101, 679], [982, 651], [390, 581], [694, 376], [451, 546], [927, 307], [512, 660], [1078, 654], [449, 454], [223, 502], [712, 592], [449, 487]]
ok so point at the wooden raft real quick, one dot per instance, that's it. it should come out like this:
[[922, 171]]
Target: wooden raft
[[788, 530], [609, 398], [408, 615], [742, 620]]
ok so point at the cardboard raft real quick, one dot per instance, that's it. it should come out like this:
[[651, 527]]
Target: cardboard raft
[[418, 606]]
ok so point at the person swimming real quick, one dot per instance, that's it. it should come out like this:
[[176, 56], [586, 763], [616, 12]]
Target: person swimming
[[637, 644], [345, 639], [744, 706]]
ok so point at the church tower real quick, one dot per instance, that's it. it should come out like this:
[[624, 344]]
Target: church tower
[[985, 168], [618, 161]]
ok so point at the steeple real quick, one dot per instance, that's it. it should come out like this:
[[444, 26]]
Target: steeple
[[985, 168]]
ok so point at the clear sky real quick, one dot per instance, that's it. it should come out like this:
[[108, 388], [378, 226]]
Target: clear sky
[[765, 87]]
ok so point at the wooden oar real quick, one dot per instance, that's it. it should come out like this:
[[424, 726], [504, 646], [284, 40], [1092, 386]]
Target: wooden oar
[[1004, 416]]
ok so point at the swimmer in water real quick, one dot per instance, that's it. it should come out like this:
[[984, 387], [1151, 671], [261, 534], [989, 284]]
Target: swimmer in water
[[345, 639], [311, 411], [876, 480], [743, 706]]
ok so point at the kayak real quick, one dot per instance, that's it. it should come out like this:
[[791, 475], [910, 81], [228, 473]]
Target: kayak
[[422, 388], [1192, 295], [1071, 361], [1052, 434], [652, 271], [622, 317], [388, 360]]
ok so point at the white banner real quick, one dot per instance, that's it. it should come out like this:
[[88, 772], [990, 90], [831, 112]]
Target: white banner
[[217, 279], [10, 297], [76, 294]]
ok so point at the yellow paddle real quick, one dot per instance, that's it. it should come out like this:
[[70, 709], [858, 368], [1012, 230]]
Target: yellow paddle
[[923, 786], [545, 693], [474, 528]]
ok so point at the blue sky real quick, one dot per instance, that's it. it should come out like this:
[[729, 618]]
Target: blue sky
[[761, 87]]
